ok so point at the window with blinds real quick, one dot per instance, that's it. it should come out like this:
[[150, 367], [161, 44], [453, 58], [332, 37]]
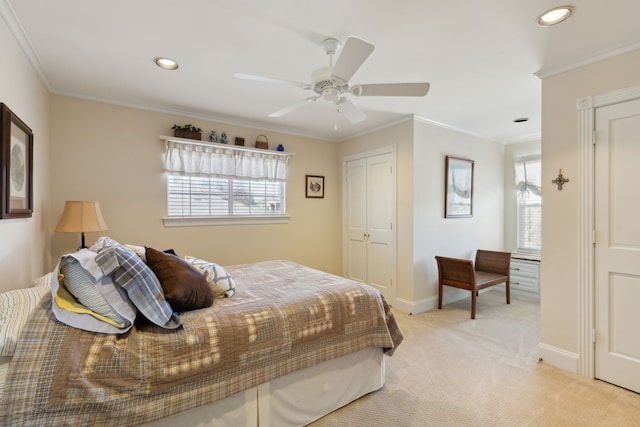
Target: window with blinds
[[529, 223], [202, 196], [215, 180], [529, 199]]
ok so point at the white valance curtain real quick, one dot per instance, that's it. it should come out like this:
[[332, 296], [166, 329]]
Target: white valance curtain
[[528, 175], [185, 158]]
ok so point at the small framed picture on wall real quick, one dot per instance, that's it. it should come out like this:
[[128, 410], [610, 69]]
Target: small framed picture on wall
[[314, 187]]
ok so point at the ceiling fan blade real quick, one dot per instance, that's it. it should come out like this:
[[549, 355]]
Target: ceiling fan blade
[[391, 89], [270, 80], [354, 53], [293, 107], [351, 112]]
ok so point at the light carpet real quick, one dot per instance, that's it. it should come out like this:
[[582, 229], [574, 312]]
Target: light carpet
[[454, 371]]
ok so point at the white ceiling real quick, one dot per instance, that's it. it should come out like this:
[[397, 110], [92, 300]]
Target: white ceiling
[[479, 56]]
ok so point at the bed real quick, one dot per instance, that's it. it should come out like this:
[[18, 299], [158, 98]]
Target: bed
[[291, 345]]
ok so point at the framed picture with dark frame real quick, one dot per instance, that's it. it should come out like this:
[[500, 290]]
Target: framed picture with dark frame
[[458, 188], [16, 164], [314, 185]]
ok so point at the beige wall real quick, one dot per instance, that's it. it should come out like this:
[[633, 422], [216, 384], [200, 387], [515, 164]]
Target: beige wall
[[512, 151], [113, 154], [560, 150], [24, 249]]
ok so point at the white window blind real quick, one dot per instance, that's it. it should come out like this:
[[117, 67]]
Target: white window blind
[[528, 173], [206, 180]]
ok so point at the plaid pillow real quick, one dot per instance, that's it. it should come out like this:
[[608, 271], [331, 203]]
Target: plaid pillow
[[103, 242], [132, 274]]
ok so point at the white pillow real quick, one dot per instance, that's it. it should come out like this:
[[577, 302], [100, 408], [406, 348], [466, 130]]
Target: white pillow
[[15, 307], [141, 251], [43, 281], [218, 278], [78, 316], [84, 287]]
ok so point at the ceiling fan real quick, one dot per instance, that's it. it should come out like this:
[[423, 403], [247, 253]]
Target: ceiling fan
[[332, 83]]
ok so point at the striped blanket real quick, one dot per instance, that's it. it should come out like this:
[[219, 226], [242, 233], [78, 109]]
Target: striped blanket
[[284, 317]]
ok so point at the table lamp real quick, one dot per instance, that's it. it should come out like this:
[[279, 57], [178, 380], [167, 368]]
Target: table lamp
[[81, 217]]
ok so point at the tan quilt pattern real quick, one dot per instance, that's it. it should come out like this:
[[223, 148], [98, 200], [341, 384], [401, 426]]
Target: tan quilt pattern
[[284, 317]]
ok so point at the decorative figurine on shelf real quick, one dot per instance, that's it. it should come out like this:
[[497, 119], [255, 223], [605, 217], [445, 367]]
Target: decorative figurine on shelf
[[213, 137], [280, 147], [223, 137]]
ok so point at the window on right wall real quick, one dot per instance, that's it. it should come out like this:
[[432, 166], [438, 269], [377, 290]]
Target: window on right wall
[[528, 173]]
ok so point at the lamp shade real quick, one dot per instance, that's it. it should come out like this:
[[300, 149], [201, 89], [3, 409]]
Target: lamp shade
[[80, 217]]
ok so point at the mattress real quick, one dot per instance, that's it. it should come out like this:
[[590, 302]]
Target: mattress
[[4, 367], [295, 399]]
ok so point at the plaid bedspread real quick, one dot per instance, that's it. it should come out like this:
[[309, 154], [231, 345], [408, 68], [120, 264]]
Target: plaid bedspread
[[284, 317]]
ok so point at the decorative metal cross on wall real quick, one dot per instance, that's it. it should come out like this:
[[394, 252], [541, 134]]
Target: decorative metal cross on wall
[[560, 180]]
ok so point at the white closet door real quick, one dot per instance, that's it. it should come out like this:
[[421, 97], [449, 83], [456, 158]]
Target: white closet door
[[356, 220], [381, 251], [370, 208]]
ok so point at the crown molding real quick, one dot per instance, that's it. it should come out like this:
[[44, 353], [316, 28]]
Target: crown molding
[[552, 71], [425, 120], [21, 36], [524, 138]]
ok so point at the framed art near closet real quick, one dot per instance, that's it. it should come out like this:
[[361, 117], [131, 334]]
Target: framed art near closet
[[458, 190], [16, 163]]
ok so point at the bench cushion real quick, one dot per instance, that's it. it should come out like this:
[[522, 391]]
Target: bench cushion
[[486, 279]]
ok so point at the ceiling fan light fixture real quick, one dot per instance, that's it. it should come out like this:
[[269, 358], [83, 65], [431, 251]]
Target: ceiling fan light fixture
[[331, 94], [330, 46], [554, 16], [165, 63]]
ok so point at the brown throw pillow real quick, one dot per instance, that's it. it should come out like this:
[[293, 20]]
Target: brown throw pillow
[[185, 288]]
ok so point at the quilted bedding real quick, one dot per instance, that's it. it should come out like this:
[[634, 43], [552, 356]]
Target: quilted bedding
[[284, 317]]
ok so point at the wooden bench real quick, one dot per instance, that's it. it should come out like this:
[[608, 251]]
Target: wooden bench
[[491, 268]]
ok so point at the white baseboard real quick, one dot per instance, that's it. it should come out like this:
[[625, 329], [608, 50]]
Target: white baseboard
[[558, 357], [426, 304], [415, 307]]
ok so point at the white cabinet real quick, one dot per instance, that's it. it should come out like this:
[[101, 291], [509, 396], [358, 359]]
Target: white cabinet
[[525, 276]]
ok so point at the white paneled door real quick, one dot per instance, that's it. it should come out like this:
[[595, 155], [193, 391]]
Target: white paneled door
[[617, 249], [369, 219]]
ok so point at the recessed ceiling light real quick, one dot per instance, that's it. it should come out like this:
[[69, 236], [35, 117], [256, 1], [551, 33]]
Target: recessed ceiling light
[[166, 63], [521, 120], [554, 16]]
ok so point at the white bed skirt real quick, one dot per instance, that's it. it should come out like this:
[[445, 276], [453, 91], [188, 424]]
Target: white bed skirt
[[295, 399]]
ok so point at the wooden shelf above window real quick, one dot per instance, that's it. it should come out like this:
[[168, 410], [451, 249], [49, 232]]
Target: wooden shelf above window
[[232, 147]]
